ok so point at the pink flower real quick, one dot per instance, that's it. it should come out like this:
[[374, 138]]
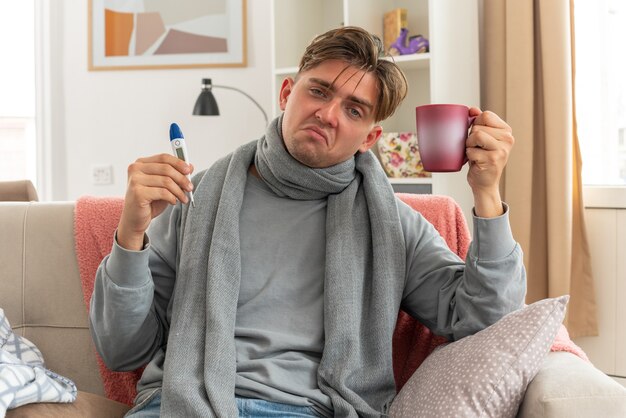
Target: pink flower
[[405, 136], [396, 159]]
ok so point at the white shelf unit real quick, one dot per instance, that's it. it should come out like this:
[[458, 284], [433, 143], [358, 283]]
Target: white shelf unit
[[410, 180], [449, 73]]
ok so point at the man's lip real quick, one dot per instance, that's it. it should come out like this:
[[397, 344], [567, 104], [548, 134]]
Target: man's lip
[[318, 133]]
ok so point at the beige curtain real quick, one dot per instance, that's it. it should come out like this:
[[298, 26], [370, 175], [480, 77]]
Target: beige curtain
[[527, 78]]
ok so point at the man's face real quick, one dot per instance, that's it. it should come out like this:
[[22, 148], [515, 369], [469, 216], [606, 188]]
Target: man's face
[[329, 114]]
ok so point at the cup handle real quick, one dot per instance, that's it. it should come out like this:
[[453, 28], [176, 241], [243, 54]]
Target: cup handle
[[470, 123]]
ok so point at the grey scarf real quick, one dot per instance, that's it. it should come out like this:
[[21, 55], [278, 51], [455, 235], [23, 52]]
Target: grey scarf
[[365, 271]]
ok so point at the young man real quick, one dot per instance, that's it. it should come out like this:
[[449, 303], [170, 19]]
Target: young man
[[277, 294]]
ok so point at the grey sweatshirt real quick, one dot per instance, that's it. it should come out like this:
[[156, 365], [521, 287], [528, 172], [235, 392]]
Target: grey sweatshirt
[[279, 331]]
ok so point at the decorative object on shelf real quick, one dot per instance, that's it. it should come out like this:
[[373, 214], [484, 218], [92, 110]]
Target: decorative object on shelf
[[400, 156], [206, 105], [129, 35], [393, 21], [416, 44]]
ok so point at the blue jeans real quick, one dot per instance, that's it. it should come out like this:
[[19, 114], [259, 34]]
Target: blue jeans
[[149, 408], [253, 408], [248, 408]]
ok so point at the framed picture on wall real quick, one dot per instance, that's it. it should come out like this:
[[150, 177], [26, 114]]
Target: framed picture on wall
[[147, 34]]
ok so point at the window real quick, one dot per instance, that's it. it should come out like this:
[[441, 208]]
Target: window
[[18, 159], [601, 89]]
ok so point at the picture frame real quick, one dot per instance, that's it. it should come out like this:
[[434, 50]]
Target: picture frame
[[162, 34]]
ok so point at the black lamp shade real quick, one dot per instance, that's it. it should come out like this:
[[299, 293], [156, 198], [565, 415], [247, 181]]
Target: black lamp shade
[[206, 104]]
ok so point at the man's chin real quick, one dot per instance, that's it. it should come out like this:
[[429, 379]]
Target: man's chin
[[308, 161], [305, 156]]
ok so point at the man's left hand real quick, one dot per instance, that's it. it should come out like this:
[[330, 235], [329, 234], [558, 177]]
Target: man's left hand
[[487, 147]]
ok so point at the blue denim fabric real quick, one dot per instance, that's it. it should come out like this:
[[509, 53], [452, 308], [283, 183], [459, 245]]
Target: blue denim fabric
[[248, 408], [150, 408], [257, 408]]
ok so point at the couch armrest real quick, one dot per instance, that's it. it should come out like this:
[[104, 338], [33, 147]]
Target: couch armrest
[[567, 386], [18, 191]]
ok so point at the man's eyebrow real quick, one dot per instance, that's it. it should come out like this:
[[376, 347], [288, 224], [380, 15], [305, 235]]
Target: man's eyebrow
[[331, 87]]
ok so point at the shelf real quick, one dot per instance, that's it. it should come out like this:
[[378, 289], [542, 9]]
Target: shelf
[[410, 180], [405, 62], [411, 61]]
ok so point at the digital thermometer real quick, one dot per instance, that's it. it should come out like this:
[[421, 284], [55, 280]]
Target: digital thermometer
[[177, 141]]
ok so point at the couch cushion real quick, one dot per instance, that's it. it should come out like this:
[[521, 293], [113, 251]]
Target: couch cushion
[[52, 291], [86, 405], [484, 374], [552, 393]]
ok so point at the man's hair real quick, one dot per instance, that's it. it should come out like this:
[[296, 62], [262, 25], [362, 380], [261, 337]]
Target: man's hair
[[357, 47]]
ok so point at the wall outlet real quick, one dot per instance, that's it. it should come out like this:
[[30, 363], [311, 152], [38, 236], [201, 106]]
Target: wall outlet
[[102, 175]]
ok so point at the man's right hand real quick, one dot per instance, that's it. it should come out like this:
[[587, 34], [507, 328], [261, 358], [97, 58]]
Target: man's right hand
[[153, 183]]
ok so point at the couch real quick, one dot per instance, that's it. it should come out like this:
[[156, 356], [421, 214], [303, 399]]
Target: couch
[[40, 292]]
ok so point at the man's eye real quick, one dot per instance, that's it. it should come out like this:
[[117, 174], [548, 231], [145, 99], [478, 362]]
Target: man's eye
[[317, 92], [354, 112]]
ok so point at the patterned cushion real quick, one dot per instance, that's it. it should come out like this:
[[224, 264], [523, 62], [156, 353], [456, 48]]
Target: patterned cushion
[[23, 376], [485, 374]]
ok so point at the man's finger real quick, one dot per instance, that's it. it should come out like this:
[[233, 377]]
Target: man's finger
[[481, 139], [475, 111], [488, 118], [170, 159]]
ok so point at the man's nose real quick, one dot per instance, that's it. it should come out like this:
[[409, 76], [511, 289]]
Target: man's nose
[[328, 113]]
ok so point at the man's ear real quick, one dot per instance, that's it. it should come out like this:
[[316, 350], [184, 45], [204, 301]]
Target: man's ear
[[285, 90], [371, 138]]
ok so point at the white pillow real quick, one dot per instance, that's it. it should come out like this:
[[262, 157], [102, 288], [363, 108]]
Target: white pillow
[[485, 374]]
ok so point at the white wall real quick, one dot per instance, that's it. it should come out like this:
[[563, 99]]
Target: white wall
[[114, 117]]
